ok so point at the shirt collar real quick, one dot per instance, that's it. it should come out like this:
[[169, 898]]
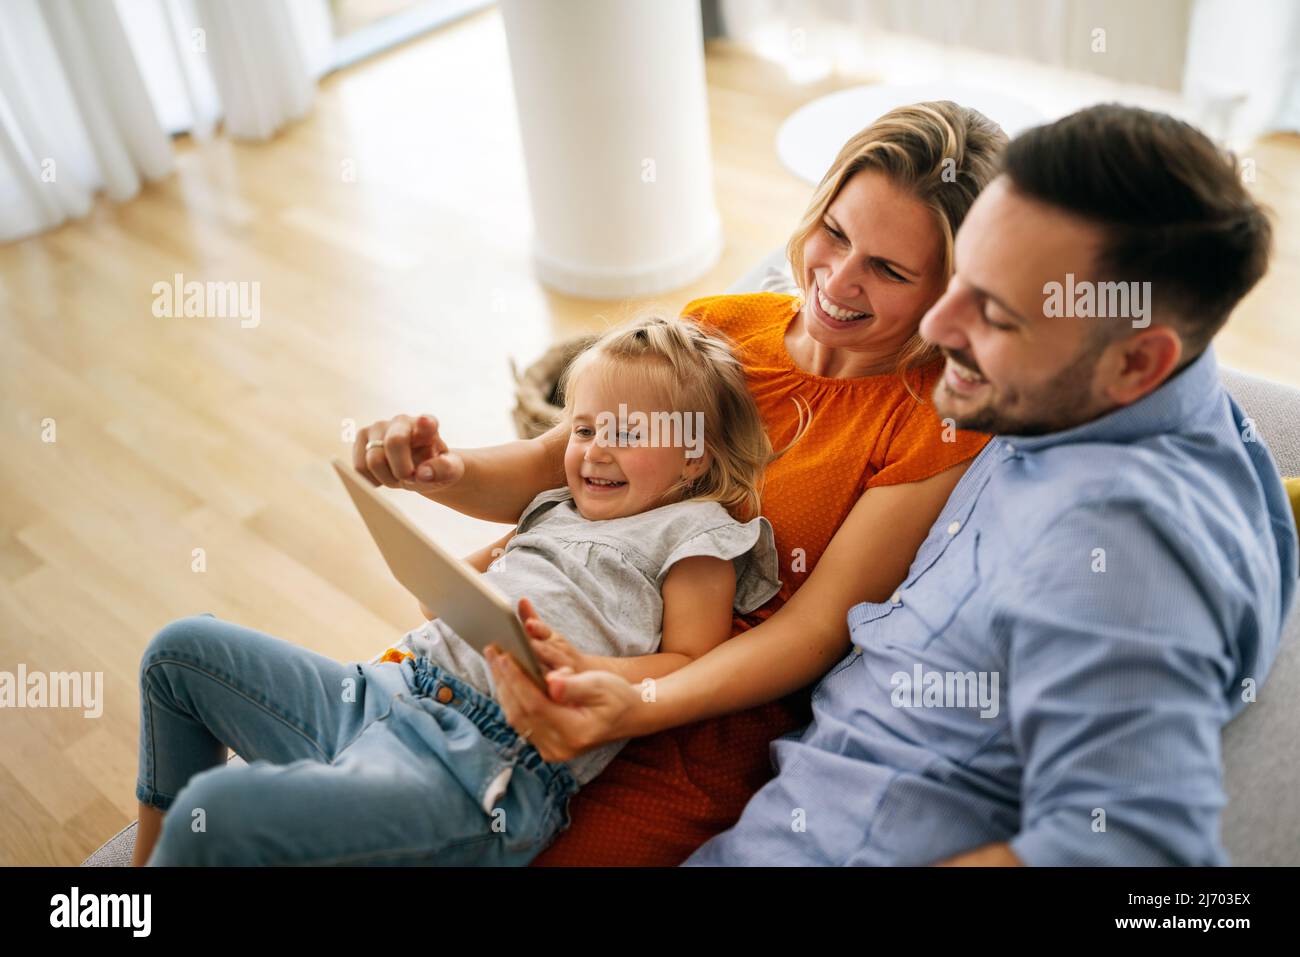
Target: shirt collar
[[1167, 409]]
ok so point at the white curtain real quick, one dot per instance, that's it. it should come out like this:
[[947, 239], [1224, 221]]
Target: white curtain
[[1243, 67], [91, 89], [264, 61], [1144, 42], [1235, 65]]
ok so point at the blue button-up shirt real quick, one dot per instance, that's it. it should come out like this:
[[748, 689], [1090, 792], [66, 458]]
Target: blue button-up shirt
[[1089, 610]]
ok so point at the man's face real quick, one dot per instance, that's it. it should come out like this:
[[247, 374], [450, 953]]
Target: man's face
[[1010, 369]]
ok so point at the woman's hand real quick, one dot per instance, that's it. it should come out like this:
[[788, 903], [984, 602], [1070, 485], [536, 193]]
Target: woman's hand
[[413, 455], [583, 709]]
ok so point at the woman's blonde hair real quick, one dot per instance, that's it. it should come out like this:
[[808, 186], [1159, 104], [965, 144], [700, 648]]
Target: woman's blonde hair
[[941, 153], [695, 371]]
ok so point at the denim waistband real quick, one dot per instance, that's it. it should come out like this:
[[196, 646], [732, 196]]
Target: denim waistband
[[425, 677]]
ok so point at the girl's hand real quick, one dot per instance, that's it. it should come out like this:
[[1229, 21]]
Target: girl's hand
[[552, 649], [413, 455]]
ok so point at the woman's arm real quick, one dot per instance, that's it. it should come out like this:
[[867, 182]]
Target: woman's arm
[[698, 593], [494, 483], [485, 556], [866, 560]]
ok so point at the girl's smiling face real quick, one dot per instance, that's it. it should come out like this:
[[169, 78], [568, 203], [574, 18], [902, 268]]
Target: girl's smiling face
[[611, 469]]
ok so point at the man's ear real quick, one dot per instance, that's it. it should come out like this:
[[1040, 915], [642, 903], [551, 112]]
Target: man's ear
[[1138, 364]]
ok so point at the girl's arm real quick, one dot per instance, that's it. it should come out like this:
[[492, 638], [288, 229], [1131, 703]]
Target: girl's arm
[[698, 593], [494, 483], [499, 481], [866, 560]]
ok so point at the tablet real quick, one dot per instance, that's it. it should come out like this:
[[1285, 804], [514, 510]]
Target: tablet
[[448, 586]]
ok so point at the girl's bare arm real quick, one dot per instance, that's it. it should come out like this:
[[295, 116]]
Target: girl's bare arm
[[698, 593], [495, 483]]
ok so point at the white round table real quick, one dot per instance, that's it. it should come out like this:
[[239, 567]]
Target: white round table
[[810, 138]]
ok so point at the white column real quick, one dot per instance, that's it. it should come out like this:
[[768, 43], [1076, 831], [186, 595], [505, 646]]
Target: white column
[[615, 127]]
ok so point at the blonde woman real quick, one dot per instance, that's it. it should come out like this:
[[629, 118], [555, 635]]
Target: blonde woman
[[637, 555], [850, 504]]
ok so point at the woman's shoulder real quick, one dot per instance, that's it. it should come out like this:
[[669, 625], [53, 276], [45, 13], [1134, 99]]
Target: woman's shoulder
[[740, 304], [738, 314]]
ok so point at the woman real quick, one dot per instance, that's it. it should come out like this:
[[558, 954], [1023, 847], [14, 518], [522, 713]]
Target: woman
[[850, 503]]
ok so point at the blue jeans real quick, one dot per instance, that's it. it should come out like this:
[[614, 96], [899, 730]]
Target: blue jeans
[[347, 763]]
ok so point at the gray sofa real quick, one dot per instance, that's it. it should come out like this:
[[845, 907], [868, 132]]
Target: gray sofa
[[1261, 747]]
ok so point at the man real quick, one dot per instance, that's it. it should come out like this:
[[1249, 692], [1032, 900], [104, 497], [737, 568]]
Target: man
[[1107, 584]]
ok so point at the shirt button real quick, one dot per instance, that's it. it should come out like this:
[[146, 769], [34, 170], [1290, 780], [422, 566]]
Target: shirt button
[[896, 597], [954, 528], [444, 694], [857, 650]]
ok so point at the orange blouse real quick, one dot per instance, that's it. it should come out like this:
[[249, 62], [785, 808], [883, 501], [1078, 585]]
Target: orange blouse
[[667, 793]]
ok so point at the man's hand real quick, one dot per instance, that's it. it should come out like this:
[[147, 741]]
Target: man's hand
[[413, 455]]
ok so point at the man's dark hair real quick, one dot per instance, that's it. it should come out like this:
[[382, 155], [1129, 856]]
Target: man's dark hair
[[1171, 203]]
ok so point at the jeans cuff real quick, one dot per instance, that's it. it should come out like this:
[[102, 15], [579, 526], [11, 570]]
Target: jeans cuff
[[154, 799]]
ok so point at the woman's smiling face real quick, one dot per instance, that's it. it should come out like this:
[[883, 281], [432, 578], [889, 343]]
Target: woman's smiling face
[[872, 267], [625, 476]]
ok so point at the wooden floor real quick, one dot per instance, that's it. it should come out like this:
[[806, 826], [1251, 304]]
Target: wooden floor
[[403, 290]]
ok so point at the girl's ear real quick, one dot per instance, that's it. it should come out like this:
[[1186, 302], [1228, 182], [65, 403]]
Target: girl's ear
[[698, 467]]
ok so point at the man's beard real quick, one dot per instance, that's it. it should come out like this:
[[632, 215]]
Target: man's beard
[[1061, 403]]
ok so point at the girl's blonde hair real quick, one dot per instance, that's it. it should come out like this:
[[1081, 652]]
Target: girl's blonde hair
[[941, 153], [696, 371]]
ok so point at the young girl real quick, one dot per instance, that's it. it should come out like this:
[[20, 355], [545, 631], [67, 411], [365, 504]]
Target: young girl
[[638, 560]]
